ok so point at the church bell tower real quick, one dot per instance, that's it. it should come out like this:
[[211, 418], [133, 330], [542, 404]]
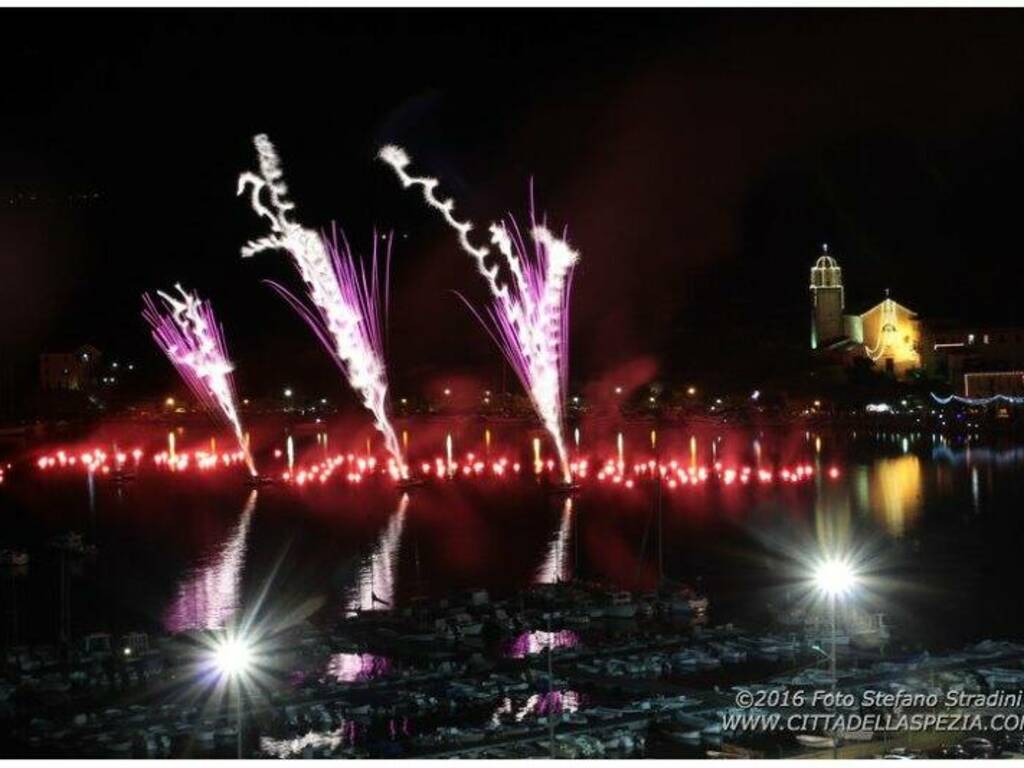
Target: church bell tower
[[827, 300]]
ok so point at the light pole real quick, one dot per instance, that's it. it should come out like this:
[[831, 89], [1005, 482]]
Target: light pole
[[233, 658], [835, 578], [551, 692]]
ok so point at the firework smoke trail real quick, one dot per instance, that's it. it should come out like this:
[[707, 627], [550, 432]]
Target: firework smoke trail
[[529, 315], [187, 331], [347, 302]]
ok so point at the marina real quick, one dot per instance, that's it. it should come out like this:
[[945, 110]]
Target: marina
[[567, 659]]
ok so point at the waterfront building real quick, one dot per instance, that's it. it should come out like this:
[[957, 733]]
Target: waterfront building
[[888, 334], [69, 371], [977, 361]]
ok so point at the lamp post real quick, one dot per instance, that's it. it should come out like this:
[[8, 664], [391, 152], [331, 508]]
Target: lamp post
[[835, 578], [551, 692], [233, 658]]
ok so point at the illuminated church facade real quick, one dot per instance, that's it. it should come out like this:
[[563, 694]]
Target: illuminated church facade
[[888, 334], [977, 361]]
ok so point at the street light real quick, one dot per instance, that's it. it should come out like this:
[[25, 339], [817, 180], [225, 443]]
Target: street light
[[232, 658], [551, 691], [835, 578]]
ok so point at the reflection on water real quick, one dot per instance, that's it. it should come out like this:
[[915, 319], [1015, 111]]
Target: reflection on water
[[982, 455], [896, 492], [209, 595], [832, 514], [344, 735], [530, 643], [536, 705], [91, 485], [357, 667], [556, 567], [375, 582], [502, 533]]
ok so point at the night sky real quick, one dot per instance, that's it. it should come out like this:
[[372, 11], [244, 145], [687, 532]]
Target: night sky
[[698, 159]]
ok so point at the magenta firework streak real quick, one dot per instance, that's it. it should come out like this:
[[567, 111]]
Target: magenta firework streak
[[188, 333], [346, 301], [529, 314]]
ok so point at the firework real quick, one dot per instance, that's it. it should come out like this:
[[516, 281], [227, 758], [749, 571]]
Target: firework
[[346, 300], [529, 315], [187, 331]]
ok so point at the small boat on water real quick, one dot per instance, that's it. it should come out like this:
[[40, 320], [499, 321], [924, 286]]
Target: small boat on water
[[674, 598], [997, 678], [729, 653], [856, 735], [620, 605], [815, 741], [682, 734], [687, 722]]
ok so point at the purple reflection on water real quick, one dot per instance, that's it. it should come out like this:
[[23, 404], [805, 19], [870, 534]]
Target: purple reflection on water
[[529, 643], [209, 596], [357, 667]]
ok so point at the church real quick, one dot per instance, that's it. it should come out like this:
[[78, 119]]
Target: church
[[888, 334]]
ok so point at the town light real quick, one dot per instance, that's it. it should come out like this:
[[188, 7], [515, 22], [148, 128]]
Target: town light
[[287, 391]]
